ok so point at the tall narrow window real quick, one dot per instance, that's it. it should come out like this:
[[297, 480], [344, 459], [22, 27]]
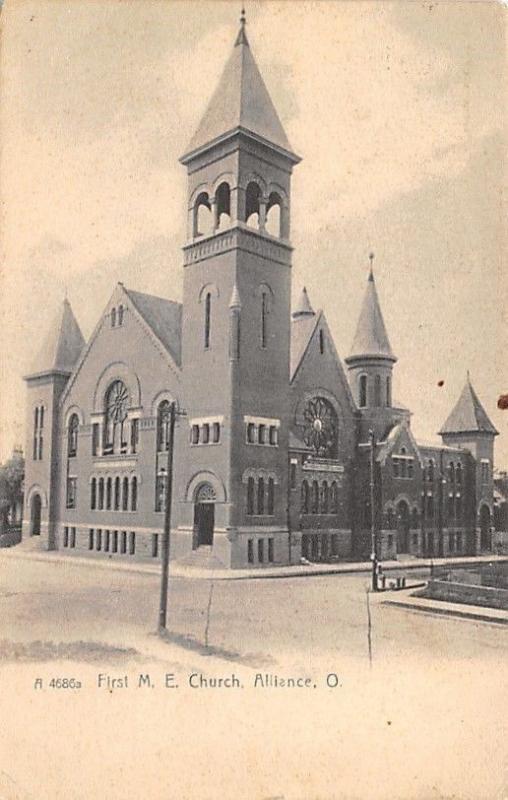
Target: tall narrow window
[[208, 318], [315, 498], [95, 438], [304, 505], [363, 391], [324, 498], [377, 390], [250, 496], [36, 433], [321, 342], [117, 493], [125, 494], [206, 433], [72, 436], [270, 550], [334, 498], [71, 492], [163, 420], [101, 494], [264, 311], [108, 493], [388, 391], [292, 475], [113, 317], [216, 432], [134, 435], [132, 543], [261, 496], [270, 501], [93, 494], [261, 550], [134, 494], [250, 551], [120, 315]]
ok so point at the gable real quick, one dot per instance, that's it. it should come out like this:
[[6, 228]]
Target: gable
[[399, 437]]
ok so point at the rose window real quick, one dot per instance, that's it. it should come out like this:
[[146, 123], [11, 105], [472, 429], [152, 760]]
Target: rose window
[[320, 427], [117, 403]]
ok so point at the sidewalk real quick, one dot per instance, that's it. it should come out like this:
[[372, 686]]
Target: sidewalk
[[442, 607], [297, 571]]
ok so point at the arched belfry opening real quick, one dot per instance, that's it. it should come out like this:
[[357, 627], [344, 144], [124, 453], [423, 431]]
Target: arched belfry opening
[[35, 515], [204, 515], [203, 218], [253, 205], [223, 206], [274, 215]]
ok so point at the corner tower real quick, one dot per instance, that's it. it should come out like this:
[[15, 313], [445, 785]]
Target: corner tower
[[48, 377], [237, 288], [370, 365]]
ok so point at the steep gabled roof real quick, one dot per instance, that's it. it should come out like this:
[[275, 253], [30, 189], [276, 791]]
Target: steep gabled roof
[[240, 102], [468, 415], [302, 328], [386, 447], [62, 346], [371, 338], [164, 318]]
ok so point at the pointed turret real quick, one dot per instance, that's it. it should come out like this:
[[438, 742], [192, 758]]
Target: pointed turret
[[468, 415], [303, 307], [62, 346], [371, 339], [235, 301], [240, 104]]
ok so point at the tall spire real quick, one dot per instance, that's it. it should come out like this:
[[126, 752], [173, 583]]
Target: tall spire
[[371, 338], [468, 415], [240, 103], [63, 344], [303, 307], [242, 35]]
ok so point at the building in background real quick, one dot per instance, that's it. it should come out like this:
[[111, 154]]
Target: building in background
[[272, 457]]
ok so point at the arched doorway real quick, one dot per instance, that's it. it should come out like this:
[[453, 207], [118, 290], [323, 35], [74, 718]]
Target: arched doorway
[[402, 527], [485, 528], [204, 515], [35, 515]]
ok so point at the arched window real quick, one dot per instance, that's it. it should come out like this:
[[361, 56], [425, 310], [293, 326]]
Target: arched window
[[274, 215], [388, 391], [113, 317], [430, 470], [120, 315], [203, 222], [252, 201], [208, 318], [115, 429], [324, 498], [117, 493], [321, 342], [363, 391], [134, 494], [125, 494], [261, 496], [93, 494], [334, 498], [109, 484], [72, 436], [458, 474], [163, 421], [315, 498], [270, 500], [251, 486], [320, 427], [223, 206], [101, 494], [264, 314], [377, 390], [304, 498]]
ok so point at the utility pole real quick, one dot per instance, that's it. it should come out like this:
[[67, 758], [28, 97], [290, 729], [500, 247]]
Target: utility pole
[[372, 440], [166, 536]]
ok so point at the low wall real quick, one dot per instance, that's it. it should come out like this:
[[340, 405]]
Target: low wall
[[467, 594]]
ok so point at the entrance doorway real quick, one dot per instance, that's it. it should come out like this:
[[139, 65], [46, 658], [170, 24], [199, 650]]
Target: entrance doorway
[[35, 515], [204, 515], [484, 528], [402, 527]]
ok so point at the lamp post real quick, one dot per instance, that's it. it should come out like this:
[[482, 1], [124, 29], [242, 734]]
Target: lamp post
[[166, 535], [373, 535]]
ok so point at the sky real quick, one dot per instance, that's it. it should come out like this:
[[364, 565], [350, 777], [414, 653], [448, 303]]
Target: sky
[[395, 108]]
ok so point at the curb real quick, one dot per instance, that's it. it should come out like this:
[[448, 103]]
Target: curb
[[478, 616]]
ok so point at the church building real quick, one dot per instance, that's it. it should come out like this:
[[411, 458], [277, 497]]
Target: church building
[[274, 433]]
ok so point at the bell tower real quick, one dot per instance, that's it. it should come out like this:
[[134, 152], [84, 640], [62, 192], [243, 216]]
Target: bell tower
[[235, 338]]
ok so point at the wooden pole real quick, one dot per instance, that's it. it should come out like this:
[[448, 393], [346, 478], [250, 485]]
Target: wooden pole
[[373, 536], [166, 536]]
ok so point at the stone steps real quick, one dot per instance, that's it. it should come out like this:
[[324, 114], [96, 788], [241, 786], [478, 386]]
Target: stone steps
[[201, 558]]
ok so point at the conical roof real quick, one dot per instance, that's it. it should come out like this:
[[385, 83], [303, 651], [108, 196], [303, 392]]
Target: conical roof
[[371, 338], [303, 307], [63, 344], [468, 415], [235, 301], [240, 101]]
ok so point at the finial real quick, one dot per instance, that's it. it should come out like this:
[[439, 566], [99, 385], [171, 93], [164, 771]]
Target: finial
[[371, 271], [242, 36], [468, 376], [66, 299]]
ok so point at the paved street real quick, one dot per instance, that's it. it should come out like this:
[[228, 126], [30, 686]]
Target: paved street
[[436, 682]]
